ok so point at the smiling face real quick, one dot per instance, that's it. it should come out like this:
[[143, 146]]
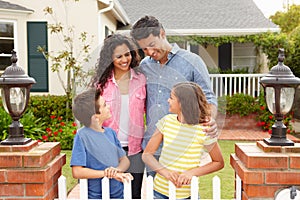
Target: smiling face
[[155, 46], [121, 59], [103, 109], [174, 104]]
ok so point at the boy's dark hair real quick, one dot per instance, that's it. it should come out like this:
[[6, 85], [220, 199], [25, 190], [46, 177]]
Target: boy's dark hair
[[85, 106], [146, 26], [194, 106]]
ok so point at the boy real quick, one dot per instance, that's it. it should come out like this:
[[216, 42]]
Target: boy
[[97, 152]]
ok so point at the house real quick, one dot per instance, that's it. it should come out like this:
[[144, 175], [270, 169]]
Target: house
[[211, 18], [23, 27]]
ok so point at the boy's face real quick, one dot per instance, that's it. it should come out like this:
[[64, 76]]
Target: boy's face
[[103, 109]]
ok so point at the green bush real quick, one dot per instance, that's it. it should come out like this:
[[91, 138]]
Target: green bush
[[266, 119], [44, 106], [244, 105], [59, 130], [39, 117], [239, 103]]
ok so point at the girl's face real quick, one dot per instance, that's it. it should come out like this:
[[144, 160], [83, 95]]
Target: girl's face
[[121, 58], [174, 105], [104, 109]]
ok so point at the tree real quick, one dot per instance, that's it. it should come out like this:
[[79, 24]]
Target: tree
[[69, 60], [289, 22]]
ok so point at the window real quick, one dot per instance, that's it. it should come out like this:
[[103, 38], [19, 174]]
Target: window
[[244, 56], [7, 42]]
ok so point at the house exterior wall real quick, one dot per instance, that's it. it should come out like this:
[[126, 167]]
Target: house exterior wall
[[83, 15]]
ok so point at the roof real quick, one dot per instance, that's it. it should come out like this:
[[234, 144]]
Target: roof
[[13, 7], [205, 17]]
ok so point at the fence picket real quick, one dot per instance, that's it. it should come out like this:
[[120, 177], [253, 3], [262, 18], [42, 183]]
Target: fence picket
[[216, 188], [105, 188], [194, 188], [83, 189], [149, 187], [127, 190], [62, 192]]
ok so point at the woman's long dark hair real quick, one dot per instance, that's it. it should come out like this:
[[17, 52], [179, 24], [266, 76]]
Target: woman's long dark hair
[[105, 66]]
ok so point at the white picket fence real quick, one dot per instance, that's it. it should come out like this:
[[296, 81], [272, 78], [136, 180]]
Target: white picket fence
[[229, 84], [62, 189]]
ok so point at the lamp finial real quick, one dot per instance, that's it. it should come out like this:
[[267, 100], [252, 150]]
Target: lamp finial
[[281, 56]]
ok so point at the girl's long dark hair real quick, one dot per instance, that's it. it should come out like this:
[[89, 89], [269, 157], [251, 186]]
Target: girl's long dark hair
[[194, 106], [104, 66]]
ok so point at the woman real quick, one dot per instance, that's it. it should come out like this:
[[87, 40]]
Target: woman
[[124, 90]]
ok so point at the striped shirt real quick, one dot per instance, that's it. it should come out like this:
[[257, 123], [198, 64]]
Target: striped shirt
[[183, 146]]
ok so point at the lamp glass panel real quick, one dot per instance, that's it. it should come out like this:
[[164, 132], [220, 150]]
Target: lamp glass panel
[[270, 99], [17, 97], [286, 99]]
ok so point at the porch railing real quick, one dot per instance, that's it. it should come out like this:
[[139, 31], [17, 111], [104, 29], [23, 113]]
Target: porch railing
[[229, 84]]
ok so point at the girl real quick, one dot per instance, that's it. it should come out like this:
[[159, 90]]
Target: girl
[[124, 91], [184, 142]]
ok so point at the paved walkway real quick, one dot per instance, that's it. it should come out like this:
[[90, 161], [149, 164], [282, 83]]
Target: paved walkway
[[245, 135]]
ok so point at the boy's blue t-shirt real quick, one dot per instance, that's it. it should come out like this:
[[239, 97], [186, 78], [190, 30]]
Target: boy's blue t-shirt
[[98, 151]]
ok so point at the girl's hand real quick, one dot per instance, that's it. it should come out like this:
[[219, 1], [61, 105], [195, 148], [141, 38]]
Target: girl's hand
[[170, 175], [111, 172], [184, 179]]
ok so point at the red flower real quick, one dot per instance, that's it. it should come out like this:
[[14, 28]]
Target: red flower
[[270, 131], [59, 118], [48, 130], [55, 133], [52, 116], [62, 123], [288, 131], [60, 130], [271, 117], [74, 124], [262, 108], [74, 132], [45, 137]]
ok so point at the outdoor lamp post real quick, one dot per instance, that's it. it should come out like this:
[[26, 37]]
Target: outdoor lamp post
[[15, 85], [279, 87]]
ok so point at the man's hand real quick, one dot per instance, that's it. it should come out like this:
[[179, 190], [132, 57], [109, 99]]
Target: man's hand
[[212, 129]]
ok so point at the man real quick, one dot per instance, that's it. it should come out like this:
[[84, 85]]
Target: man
[[165, 65]]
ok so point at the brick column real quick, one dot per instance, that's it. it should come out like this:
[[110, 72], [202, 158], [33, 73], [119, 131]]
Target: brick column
[[264, 169], [30, 171]]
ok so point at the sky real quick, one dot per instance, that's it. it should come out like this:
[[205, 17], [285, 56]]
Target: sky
[[270, 7]]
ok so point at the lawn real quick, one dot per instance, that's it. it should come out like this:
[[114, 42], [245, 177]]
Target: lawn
[[226, 174]]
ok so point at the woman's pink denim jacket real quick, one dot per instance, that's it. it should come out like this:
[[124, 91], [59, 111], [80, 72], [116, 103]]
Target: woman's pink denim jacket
[[137, 101]]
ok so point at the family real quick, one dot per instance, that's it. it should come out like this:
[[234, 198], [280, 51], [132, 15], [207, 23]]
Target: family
[[171, 87]]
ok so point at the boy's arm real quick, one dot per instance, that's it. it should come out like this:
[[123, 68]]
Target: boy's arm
[[124, 164], [80, 172]]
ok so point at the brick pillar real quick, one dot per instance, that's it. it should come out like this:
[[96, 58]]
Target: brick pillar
[[264, 169], [30, 171]]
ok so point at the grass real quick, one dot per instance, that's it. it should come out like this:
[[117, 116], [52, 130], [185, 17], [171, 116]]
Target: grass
[[226, 175]]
